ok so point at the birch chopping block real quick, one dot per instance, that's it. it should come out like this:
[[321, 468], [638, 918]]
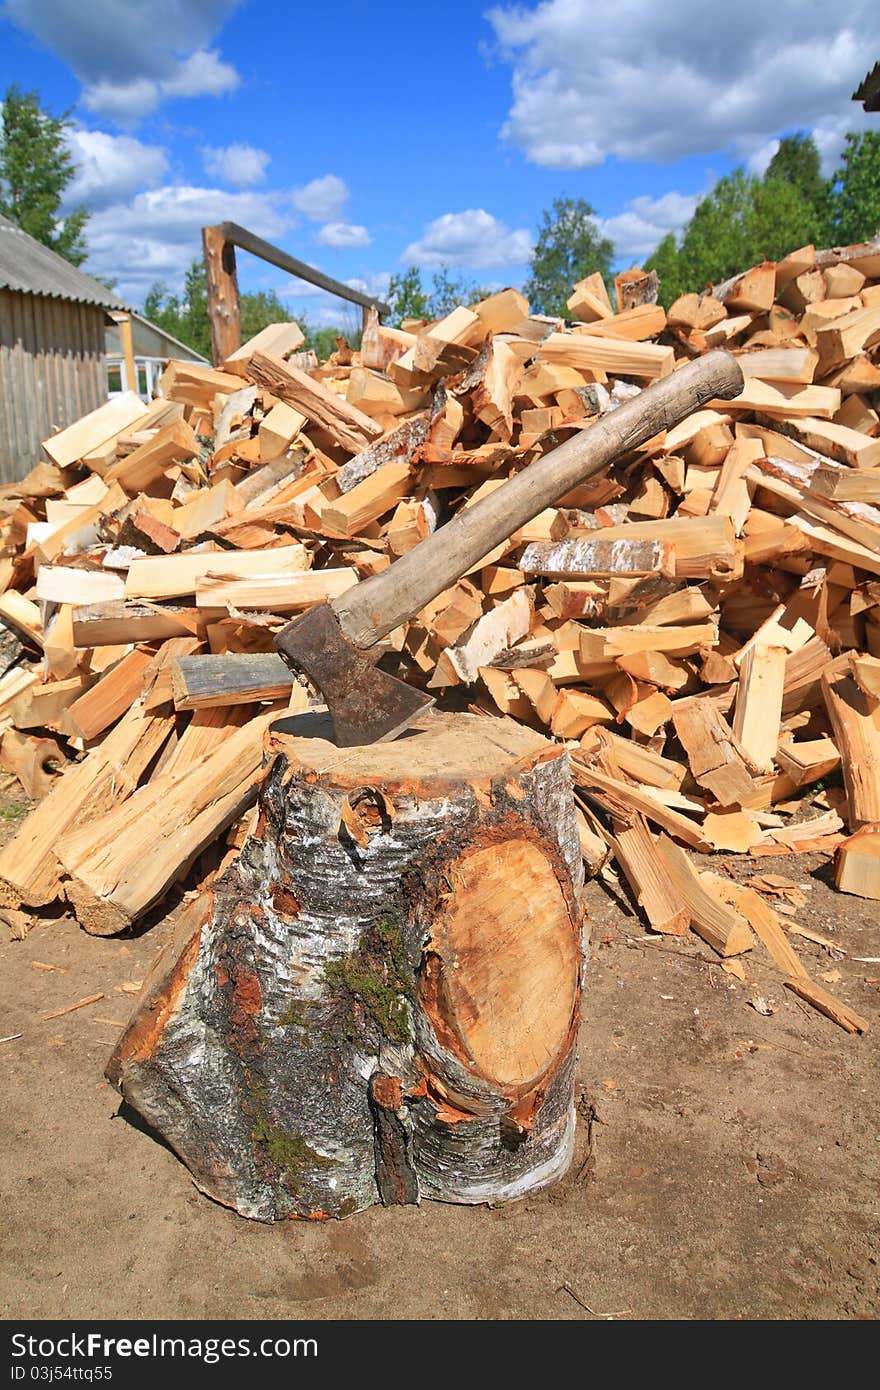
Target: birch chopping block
[[381, 1000]]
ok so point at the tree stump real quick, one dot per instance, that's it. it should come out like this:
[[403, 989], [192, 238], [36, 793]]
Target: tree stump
[[382, 1000]]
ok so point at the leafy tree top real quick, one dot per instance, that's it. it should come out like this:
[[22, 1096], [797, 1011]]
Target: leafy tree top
[[36, 167], [409, 299], [855, 196], [570, 246], [185, 315]]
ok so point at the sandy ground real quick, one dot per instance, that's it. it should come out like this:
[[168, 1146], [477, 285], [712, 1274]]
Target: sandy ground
[[726, 1164]]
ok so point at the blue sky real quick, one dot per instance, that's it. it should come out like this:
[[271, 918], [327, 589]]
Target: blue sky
[[364, 137]]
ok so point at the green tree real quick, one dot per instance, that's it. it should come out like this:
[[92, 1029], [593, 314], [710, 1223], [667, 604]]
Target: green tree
[[743, 220], [569, 247], [185, 316], [322, 340], [36, 167], [715, 241], [448, 291], [856, 193], [797, 162], [667, 263], [407, 297], [259, 310]]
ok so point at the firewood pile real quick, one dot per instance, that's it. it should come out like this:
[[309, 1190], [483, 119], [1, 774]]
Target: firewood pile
[[700, 625]]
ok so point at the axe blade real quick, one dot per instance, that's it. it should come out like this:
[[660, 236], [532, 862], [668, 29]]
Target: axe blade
[[365, 704]]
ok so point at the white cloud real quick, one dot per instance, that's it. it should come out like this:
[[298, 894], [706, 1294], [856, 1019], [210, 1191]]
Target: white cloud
[[830, 135], [645, 221], [682, 82], [323, 199], [472, 238], [761, 157], [123, 102], [110, 168], [342, 234], [202, 74], [156, 234], [241, 165], [328, 310], [374, 283], [129, 58]]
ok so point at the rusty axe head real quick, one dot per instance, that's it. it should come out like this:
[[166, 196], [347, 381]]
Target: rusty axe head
[[365, 704]]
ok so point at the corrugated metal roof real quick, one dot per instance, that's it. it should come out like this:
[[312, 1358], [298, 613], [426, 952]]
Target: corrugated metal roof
[[32, 268]]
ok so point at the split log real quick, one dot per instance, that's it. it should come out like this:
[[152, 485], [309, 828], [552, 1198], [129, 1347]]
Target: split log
[[398, 447], [109, 698], [594, 558], [855, 720], [123, 863], [143, 470], [592, 353], [715, 758], [171, 576], [857, 866], [202, 682], [827, 1004], [759, 703], [387, 993], [351, 427], [29, 868], [589, 300], [34, 761], [115, 623], [94, 429], [274, 593], [711, 918], [635, 850]]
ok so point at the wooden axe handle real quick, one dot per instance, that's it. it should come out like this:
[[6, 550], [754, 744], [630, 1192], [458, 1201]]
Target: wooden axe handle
[[376, 606]]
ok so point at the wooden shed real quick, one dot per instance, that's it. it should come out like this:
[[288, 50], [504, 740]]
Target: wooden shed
[[52, 326]]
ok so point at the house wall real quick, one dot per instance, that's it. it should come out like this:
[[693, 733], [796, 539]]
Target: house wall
[[51, 373]]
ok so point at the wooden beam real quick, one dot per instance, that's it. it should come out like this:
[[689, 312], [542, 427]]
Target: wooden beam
[[247, 241], [222, 284]]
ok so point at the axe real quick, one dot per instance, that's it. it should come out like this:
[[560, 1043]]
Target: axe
[[332, 643]]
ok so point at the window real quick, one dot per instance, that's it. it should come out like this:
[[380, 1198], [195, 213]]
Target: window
[[114, 377]]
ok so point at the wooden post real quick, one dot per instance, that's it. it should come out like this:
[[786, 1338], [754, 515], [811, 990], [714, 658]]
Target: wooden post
[[123, 322], [379, 1000], [223, 309]]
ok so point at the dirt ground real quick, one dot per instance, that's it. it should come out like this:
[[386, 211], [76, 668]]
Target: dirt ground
[[726, 1166]]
